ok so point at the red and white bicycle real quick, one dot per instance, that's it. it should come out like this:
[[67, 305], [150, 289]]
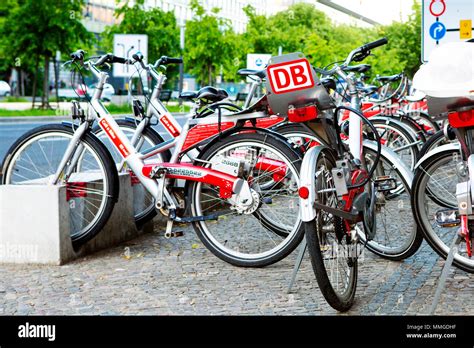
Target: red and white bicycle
[[241, 191]]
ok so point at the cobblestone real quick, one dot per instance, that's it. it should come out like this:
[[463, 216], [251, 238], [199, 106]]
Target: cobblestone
[[179, 276]]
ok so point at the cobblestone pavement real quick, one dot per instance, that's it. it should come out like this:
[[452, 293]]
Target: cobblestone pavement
[[179, 276]]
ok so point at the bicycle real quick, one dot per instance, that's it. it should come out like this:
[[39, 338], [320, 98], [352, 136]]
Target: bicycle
[[206, 102], [341, 190], [223, 186], [442, 186]]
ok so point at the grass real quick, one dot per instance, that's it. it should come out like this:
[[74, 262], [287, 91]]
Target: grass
[[11, 99], [113, 109]]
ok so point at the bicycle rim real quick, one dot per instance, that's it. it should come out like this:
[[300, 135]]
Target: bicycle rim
[[37, 160]]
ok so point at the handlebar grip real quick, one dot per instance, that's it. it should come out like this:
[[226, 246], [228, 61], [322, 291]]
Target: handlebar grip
[[120, 60], [168, 60], [137, 56], [175, 60], [377, 43], [77, 55]]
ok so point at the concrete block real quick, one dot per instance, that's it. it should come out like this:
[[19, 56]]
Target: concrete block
[[35, 224]]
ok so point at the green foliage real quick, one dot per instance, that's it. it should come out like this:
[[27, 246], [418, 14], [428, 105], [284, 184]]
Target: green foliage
[[211, 45], [160, 26], [304, 28], [32, 31], [40, 28]]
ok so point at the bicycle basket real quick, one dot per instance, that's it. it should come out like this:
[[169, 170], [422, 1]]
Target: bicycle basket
[[294, 89]]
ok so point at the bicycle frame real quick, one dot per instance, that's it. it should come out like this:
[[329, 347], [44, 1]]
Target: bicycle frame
[[231, 187]]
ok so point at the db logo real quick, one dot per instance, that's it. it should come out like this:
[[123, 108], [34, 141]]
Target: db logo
[[290, 76]]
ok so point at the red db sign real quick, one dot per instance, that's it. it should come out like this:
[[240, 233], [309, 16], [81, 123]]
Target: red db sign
[[290, 76]]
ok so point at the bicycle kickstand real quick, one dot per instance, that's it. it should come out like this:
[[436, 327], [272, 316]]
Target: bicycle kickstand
[[297, 266], [444, 272]]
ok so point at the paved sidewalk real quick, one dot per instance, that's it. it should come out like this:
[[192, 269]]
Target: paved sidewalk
[[179, 276]]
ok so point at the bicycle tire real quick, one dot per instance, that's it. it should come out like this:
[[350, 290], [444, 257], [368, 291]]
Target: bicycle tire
[[142, 217], [419, 205], [112, 180], [222, 250], [340, 301]]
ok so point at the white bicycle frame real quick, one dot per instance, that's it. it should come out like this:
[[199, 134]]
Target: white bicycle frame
[[241, 193]]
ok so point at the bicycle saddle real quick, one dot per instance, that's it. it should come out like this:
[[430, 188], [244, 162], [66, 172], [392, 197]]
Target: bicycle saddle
[[328, 83], [188, 95], [208, 94], [211, 94], [368, 89], [418, 96], [392, 78], [361, 68], [249, 72]]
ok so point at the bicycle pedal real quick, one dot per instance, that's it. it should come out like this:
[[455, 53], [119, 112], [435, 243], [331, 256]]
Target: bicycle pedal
[[176, 234], [385, 183], [447, 218]]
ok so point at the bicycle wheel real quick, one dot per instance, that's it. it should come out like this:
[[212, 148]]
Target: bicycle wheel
[[413, 126], [439, 174], [396, 137], [270, 232], [407, 239], [143, 201], [332, 251], [91, 185], [397, 236], [434, 141], [430, 127]]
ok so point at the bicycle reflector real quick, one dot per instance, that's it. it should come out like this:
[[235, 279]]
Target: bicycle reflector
[[302, 114], [303, 192], [461, 119]]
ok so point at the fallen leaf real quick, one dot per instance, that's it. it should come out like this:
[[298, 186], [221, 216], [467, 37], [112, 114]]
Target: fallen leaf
[[195, 246]]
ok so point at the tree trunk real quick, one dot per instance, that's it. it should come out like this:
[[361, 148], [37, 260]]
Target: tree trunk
[[209, 67], [22, 83], [45, 97], [56, 77], [17, 82], [35, 80]]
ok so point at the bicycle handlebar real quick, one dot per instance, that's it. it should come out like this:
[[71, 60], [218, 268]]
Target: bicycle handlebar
[[77, 55], [358, 54], [106, 58], [374, 44]]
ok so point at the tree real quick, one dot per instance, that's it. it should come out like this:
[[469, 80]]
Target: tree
[[403, 51], [160, 26], [304, 28], [37, 29], [210, 44]]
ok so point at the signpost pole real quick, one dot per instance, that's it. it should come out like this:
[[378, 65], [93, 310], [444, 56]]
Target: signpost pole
[[181, 66]]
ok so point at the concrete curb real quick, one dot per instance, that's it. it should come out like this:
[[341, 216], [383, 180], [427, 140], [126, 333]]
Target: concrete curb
[[35, 119]]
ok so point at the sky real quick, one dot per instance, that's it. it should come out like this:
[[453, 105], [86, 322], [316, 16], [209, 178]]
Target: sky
[[381, 11]]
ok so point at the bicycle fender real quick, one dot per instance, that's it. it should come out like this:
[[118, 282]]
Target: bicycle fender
[[307, 179], [230, 131], [394, 160], [393, 120], [442, 148]]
